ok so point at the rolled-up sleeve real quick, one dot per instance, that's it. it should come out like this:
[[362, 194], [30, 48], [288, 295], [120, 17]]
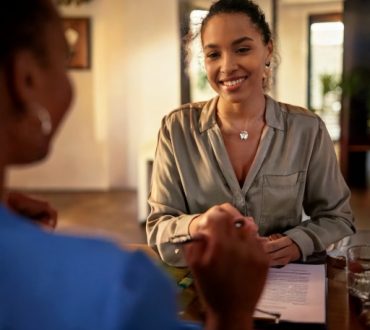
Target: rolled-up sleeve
[[326, 200], [169, 212]]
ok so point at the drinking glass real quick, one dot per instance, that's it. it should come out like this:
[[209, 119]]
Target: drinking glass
[[358, 281]]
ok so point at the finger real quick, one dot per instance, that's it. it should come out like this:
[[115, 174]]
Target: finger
[[51, 222], [231, 210], [279, 262], [274, 237], [47, 217], [292, 252], [194, 251], [234, 214], [282, 253], [251, 224], [53, 218], [281, 243]]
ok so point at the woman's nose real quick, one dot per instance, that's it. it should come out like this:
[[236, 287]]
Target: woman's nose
[[228, 64]]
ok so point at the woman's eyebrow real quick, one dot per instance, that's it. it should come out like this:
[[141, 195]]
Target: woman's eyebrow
[[242, 39], [234, 43]]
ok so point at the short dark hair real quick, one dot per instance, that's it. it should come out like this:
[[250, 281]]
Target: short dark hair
[[22, 26], [247, 7]]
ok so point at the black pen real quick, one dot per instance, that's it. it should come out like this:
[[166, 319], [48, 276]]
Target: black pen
[[184, 239], [276, 315]]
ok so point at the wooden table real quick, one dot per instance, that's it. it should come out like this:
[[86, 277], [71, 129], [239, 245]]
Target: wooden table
[[339, 314]]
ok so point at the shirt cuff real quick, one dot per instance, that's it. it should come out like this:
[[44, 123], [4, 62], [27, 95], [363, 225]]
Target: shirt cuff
[[303, 241], [183, 223]]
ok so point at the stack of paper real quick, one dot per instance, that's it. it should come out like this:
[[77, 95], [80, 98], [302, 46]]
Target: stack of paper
[[296, 292]]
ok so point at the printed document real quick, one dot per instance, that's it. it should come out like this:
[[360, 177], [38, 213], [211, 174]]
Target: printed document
[[297, 292]]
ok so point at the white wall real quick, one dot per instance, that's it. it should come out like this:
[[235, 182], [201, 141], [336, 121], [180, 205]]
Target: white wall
[[291, 85], [133, 82]]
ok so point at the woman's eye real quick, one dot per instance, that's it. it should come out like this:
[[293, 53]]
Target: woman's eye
[[243, 50], [213, 55]]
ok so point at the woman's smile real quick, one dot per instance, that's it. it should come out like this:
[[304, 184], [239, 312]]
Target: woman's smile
[[232, 84]]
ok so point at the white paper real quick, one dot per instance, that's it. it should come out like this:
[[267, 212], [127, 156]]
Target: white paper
[[297, 292]]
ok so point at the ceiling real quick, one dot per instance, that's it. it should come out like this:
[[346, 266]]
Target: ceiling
[[306, 2], [206, 3]]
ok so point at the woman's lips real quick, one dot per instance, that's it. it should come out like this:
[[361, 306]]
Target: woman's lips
[[232, 84]]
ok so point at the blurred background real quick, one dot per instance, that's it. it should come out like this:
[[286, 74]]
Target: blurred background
[[130, 71]]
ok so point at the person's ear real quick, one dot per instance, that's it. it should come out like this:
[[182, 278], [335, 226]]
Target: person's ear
[[25, 78], [270, 49]]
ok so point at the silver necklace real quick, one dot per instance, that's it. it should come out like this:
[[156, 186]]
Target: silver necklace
[[243, 135]]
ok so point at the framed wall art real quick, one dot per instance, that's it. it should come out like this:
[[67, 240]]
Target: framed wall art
[[78, 35]]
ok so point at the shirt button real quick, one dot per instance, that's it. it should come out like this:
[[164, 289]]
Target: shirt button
[[240, 201]]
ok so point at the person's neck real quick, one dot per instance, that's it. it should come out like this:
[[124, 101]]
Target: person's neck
[[1, 184], [241, 115], [2, 172], [246, 111]]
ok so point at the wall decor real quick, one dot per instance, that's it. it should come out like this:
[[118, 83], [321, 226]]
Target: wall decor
[[70, 2], [77, 33]]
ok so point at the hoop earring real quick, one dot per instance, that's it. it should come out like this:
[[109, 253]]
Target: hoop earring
[[44, 117]]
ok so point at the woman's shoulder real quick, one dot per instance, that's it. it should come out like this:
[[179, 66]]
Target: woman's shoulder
[[187, 109], [298, 114], [289, 116], [187, 114], [292, 109]]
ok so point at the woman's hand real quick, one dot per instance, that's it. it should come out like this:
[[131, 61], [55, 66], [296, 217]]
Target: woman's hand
[[197, 221], [281, 249], [225, 260], [39, 211]]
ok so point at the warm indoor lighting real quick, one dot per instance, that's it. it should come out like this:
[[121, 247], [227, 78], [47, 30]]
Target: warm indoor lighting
[[328, 33]]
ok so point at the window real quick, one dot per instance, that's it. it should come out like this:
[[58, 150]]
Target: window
[[325, 70], [200, 89]]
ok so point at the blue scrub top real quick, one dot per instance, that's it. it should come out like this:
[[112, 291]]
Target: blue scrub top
[[57, 282]]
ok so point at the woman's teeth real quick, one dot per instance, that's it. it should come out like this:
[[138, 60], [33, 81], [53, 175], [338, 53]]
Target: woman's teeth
[[231, 83]]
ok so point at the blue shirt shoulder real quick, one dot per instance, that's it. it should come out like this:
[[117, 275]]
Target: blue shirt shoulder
[[50, 281]]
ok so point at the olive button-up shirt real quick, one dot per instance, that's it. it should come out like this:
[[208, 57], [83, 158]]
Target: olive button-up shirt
[[294, 171]]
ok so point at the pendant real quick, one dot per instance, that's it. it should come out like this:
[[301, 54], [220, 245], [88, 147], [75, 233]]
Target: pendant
[[243, 135]]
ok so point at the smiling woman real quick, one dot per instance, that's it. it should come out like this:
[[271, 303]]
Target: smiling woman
[[270, 160]]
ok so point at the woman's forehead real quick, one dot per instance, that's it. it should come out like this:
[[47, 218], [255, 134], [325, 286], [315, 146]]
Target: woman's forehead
[[230, 26]]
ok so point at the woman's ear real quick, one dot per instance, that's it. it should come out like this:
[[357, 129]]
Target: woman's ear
[[270, 50], [24, 78]]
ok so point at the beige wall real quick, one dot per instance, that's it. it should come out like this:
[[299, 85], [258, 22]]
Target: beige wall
[[133, 82], [292, 45]]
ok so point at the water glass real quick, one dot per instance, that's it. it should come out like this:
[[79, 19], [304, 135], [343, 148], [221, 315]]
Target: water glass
[[358, 280]]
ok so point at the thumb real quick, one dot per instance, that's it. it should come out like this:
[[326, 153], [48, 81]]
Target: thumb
[[194, 252]]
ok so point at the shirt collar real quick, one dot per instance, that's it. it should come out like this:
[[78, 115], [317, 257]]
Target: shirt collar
[[274, 116]]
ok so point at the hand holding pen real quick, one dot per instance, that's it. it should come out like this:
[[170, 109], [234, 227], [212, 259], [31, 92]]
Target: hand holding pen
[[228, 263]]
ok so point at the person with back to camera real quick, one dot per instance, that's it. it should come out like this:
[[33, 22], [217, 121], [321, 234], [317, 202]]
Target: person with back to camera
[[270, 160], [56, 282]]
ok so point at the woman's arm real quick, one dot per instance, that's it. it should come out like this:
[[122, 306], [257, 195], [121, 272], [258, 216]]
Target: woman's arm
[[326, 200], [169, 212]]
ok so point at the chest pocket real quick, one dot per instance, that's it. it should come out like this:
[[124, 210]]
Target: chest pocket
[[282, 197]]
